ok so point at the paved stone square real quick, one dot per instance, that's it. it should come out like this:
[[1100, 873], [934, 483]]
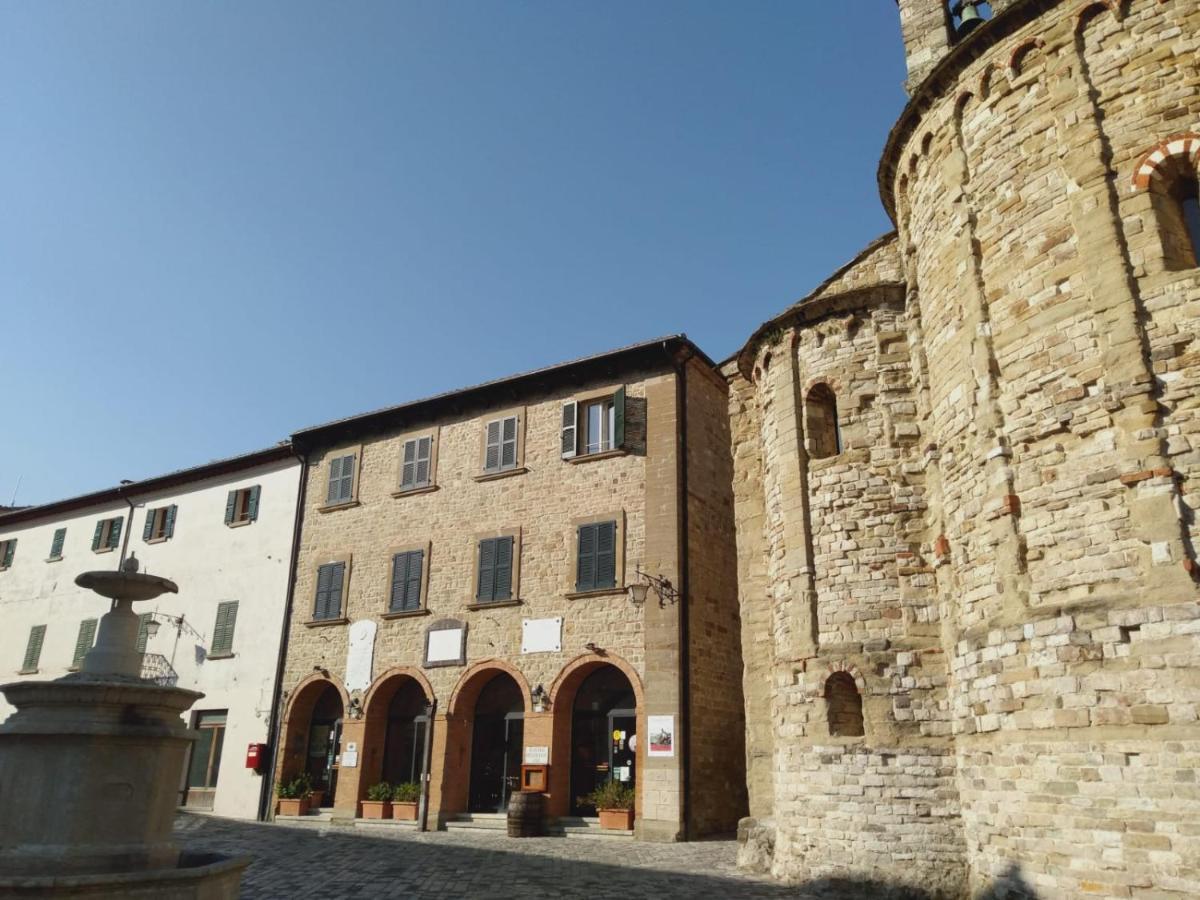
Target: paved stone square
[[337, 861]]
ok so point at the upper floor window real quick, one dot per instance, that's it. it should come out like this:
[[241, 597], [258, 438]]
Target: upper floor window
[[331, 580], [821, 422], [1170, 176], [495, 570], [107, 535], [593, 424], [241, 505], [222, 639], [596, 556], [56, 545], [33, 649], [160, 524], [1187, 195], [501, 440], [416, 463], [84, 641], [407, 569], [8, 550], [341, 479]]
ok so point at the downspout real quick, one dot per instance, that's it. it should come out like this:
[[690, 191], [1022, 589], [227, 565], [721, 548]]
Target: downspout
[[128, 530], [265, 809], [423, 811], [685, 700]]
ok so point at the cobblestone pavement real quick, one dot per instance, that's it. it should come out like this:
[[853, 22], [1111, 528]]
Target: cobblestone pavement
[[337, 861]]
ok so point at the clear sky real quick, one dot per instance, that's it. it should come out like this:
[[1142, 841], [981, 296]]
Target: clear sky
[[221, 222]]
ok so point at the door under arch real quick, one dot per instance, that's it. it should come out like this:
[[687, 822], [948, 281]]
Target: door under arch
[[497, 739], [324, 746], [603, 735]]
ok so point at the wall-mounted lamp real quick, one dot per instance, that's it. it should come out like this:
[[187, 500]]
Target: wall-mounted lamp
[[662, 587], [355, 710], [540, 699]]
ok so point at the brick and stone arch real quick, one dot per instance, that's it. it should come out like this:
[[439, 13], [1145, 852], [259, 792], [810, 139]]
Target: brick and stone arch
[[843, 706], [400, 683], [1170, 173], [821, 421], [297, 720]]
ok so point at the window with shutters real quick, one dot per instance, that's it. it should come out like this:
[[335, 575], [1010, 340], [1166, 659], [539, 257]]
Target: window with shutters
[[496, 569], [8, 551], [503, 450], [222, 640], [342, 485], [33, 650], [107, 535], [331, 586], [160, 524], [56, 545], [597, 555], [593, 424], [408, 579], [241, 506], [84, 641], [418, 457]]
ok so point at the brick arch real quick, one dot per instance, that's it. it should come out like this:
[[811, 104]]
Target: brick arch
[[573, 673], [986, 80], [1020, 53], [1089, 12], [835, 384], [375, 720], [396, 672], [302, 690], [466, 691], [1183, 147], [293, 736], [850, 669]]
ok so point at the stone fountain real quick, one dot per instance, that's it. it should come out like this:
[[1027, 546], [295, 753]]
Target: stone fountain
[[89, 772]]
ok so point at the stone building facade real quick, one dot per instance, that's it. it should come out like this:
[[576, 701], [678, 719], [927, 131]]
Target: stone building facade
[[965, 481], [452, 615]]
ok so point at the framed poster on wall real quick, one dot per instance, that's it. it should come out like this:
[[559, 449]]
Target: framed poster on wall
[[662, 735]]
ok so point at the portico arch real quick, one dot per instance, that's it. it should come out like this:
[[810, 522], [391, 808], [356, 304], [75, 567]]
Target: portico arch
[[396, 715], [316, 697]]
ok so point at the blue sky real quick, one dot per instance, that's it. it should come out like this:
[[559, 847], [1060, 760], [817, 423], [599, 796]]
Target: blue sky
[[222, 222]]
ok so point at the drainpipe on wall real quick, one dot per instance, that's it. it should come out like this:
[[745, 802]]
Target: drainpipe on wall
[[128, 529], [685, 699], [266, 809], [423, 811]]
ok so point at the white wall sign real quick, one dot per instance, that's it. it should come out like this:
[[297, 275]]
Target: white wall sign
[[537, 756], [445, 645], [662, 735], [541, 635], [360, 655], [349, 759]]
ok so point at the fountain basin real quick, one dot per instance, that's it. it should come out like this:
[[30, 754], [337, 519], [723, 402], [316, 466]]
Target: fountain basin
[[197, 876]]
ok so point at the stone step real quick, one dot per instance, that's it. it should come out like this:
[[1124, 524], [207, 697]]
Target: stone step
[[486, 821], [386, 824], [583, 827]]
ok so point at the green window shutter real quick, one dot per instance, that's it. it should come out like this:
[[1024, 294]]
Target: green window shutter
[[570, 429], [585, 568], [114, 533], [324, 579], [486, 583], [618, 437], [170, 526], [83, 643], [399, 581], [144, 621], [329, 591], [98, 535], [424, 455], [335, 591], [148, 530], [222, 641], [56, 546], [33, 650], [252, 503], [491, 457], [606, 555], [508, 446], [408, 470], [335, 481], [10, 550], [412, 592], [341, 480], [406, 581], [230, 507], [503, 588]]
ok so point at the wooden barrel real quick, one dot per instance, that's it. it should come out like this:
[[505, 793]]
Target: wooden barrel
[[525, 812]]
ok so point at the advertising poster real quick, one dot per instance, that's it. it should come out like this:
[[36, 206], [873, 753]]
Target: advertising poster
[[662, 735]]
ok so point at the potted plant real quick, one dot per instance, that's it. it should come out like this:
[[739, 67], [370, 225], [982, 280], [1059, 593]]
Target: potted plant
[[404, 801], [293, 795], [614, 802], [378, 804], [316, 798]]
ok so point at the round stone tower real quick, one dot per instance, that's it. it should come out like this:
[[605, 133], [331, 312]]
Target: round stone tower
[[970, 465]]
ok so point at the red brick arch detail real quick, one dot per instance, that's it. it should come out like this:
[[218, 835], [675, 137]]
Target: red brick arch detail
[[985, 81], [303, 688], [1185, 145], [835, 385], [472, 681], [1016, 59], [851, 670], [396, 672], [590, 661], [1088, 12]]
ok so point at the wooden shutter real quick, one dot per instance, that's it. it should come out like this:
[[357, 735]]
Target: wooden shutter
[[335, 480], [424, 455], [341, 480], [114, 532], [324, 579], [486, 590], [491, 456], [231, 507], [252, 503], [98, 535], [8, 550], [508, 446], [585, 568], [408, 469], [83, 643], [334, 608], [606, 554], [412, 592], [148, 530], [170, 524], [329, 591], [406, 581], [56, 546], [222, 642], [503, 584], [33, 650], [618, 435], [143, 631], [399, 582], [570, 429]]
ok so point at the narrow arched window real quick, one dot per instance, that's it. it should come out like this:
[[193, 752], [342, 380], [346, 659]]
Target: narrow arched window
[[1187, 195], [843, 706], [821, 421], [1175, 198]]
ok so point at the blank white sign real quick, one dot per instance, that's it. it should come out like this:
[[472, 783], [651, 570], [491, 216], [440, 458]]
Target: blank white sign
[[541, 635], [445, 645]]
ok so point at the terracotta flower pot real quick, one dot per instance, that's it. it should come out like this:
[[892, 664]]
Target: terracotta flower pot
[[404, 810], [619, 819], [316, 799], [376, 809], [293, 807]]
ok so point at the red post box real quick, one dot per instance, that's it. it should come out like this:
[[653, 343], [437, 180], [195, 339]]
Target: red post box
[[256, 757]]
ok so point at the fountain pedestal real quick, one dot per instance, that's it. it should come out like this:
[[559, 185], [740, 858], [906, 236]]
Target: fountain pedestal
[[89, 774]]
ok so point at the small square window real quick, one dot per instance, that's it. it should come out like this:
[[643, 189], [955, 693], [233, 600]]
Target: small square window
[[107, 535], [416, 463], [241, 505], [56, 545], [330, 585], [500, 452], [8, 550], [595, 424], [160, 524], [341, 480]]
